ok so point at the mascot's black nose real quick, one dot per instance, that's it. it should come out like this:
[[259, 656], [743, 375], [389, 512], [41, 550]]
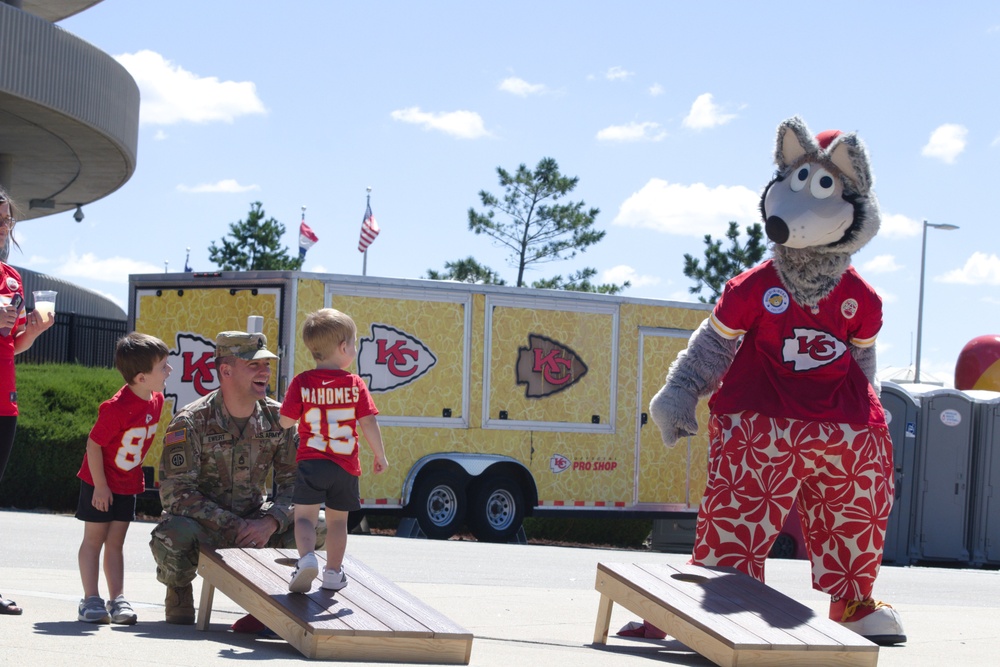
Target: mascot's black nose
[[776, 229]]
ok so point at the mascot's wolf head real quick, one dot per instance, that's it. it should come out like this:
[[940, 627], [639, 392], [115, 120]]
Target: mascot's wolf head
[[819, 209]]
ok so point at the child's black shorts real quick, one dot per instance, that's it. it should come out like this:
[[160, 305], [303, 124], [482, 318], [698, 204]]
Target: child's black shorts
[[323, 481], [122, 506]]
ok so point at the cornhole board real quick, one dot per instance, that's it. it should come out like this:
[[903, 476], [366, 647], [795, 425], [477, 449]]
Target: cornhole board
[[372, 620], [727, 616]]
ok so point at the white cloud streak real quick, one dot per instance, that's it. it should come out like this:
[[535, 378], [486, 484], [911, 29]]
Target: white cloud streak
[[979, 269], [617, 73], [520, 87], [170, 94], [460, 124], [896, 226], [111, 269], [688, 210], [881, 264], [705, 114], [946, 143], [619, 274], [225, 186], [647, 131]]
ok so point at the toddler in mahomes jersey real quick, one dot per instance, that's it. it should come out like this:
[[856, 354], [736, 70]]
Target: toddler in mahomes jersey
[[111, 474], [329, 403]]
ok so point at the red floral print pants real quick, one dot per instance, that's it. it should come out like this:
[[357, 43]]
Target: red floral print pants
[[839, 475]]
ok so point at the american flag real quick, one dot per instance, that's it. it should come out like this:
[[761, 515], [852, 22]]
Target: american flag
[[369, 230]]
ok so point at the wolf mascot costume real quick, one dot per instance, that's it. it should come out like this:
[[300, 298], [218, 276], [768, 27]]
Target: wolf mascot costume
[[788, 355]]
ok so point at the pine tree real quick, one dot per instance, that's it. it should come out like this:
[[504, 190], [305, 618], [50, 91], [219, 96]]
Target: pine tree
[[721, 266], [255, 245]]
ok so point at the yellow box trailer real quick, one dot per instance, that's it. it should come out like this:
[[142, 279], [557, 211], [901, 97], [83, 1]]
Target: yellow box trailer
[[495, 402]]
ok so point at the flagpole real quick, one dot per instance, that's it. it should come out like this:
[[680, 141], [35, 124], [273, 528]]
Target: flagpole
[[364, 262]]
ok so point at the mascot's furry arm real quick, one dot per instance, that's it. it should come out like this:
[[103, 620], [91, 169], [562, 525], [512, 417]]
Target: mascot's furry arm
[[695, 373], [865, 356]]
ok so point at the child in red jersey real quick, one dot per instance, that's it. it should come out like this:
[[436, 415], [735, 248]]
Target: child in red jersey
[[111, 475], [329, 403]]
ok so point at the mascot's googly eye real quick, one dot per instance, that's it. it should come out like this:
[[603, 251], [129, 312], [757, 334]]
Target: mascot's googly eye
[[800, 178], [823, 184]]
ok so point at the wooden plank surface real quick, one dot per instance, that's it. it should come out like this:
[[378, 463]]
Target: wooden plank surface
[[727, 616], [371, 619]]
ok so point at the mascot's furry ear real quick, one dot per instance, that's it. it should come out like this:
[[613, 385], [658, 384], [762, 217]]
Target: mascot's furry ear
[[849, 155], [796, 144]]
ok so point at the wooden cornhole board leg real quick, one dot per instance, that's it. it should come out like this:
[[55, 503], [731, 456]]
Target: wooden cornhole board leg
[[372, 620], [726, 616]]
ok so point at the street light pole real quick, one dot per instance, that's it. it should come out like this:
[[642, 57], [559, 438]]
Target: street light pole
[[920, 299]]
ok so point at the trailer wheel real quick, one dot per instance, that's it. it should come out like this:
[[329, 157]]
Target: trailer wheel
[[497, 509], [439, 505]]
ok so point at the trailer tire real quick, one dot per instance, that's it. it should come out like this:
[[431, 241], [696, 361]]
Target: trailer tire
[[439, 504], [496, 509]]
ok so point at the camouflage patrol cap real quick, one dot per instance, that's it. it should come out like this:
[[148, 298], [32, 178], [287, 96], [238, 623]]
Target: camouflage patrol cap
[[242, 345]]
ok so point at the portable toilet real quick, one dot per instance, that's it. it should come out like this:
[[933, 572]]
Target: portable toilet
[[901, 413], [940, 530], [985, 505]]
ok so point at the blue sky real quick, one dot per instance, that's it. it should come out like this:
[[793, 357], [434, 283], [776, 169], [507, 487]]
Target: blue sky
[[666, 111]]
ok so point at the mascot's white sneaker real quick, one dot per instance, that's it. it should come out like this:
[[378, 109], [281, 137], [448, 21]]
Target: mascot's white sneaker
[[872, 619]]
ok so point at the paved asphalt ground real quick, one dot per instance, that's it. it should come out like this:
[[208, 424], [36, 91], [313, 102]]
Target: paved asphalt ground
[[526, 605]]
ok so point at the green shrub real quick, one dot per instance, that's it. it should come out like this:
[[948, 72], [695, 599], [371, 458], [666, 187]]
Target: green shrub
[[58, 405]]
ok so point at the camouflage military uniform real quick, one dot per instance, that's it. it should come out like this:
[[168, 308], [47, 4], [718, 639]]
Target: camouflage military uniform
[[213, 477]]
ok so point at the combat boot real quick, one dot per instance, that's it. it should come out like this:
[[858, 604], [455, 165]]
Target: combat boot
[[180, 605]]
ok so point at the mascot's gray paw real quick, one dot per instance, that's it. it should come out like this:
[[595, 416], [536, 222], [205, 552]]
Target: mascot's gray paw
[[673, 412]]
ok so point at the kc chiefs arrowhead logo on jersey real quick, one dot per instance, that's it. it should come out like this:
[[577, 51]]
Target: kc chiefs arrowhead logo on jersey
[[392, 358], [547, 366], [811, 348]]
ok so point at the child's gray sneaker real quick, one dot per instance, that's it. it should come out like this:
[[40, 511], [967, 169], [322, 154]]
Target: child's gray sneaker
[[334, 580], [92, 610], [121, 611]]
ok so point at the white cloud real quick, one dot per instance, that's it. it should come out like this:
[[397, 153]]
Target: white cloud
[[887, 297], [227, 185], [170, 94], [706, 114], [460, 124], [946, 142], [520, 87], [688, 210], [881, 264], [896, 226], [619, 274], [112, 269], [160, 135], [617, 73], [979, 269], [656, 90], [647, 131]]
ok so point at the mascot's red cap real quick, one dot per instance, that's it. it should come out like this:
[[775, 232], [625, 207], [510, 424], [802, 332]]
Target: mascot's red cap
[[825, 138]]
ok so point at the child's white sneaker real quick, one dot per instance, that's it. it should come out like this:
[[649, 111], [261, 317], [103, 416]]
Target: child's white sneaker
[[305, 572], [121, 611], [334, 580]]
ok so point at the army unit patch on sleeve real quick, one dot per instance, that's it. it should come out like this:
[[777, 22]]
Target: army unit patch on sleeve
[[175, 458], [174, 437]]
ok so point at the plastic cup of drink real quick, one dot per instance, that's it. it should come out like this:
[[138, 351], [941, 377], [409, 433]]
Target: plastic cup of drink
[[45, 303]]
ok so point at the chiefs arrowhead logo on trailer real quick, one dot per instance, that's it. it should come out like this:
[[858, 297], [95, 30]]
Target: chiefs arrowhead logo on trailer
[[392, 358], [547, 366], [194, 358]]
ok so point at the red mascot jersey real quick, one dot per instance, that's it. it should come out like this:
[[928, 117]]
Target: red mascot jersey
[[125, 428], [328, 404], [794, 362]]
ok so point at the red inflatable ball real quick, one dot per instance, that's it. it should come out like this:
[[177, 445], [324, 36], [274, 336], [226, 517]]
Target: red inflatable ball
[[978, 364]]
